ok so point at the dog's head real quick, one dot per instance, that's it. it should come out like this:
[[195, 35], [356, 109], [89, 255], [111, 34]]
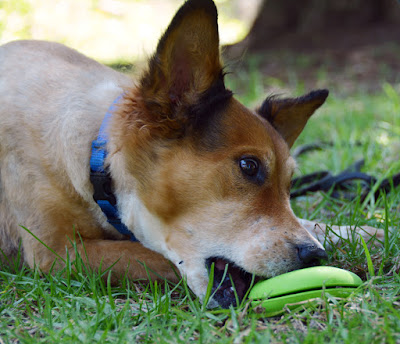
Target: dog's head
[[199, 177]]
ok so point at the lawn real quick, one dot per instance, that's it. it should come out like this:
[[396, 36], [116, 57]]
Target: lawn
[[76, 306]]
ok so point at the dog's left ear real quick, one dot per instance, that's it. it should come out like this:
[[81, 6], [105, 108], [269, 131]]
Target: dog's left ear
[[185, 66], [290, 115]]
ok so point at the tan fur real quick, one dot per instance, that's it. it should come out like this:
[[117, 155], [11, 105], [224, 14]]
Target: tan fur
[[184, 201]]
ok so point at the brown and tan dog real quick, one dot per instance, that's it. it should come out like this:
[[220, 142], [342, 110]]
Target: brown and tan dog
[[198, 177]]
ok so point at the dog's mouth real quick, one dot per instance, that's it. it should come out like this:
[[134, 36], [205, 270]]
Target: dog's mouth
[[230, 283]]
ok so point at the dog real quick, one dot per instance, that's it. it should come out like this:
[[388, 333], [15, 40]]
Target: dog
[[201, 181]]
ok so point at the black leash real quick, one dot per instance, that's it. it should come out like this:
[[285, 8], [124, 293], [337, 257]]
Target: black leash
[[339, 185]]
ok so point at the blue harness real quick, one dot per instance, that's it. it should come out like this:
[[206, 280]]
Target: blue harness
[[101, 179]]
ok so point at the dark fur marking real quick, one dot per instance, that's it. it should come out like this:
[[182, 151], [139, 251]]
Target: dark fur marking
[[203, 119], [317, 94], [265, 109], [210, 103]]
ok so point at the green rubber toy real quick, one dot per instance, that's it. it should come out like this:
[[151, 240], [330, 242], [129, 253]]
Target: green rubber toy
[[301, 285]]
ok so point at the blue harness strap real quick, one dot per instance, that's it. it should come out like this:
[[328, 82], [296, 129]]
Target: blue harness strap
[[101, 178]]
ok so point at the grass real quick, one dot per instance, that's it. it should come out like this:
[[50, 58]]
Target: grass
[[79, 306]]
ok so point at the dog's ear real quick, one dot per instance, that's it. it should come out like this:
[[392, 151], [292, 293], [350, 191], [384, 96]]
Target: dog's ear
[[186, 64], [290, 115]]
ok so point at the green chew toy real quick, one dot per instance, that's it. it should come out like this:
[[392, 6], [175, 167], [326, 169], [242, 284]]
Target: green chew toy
[[300, 285]]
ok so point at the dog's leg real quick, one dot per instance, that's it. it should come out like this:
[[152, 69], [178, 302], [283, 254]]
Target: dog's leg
[[54, 228], [127, 258], [123, 257], [332, 236]]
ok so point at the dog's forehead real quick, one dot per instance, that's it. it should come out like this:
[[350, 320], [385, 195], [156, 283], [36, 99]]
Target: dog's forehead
[[245, 128]]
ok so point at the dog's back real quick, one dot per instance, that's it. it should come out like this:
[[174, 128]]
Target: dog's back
[[53, 100]]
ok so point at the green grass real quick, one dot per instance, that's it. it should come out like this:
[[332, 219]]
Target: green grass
[[79, 306]]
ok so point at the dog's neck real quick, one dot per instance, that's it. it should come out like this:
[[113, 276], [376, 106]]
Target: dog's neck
[[101, 179]]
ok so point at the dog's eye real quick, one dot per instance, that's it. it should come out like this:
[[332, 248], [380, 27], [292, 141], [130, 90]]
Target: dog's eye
[[249, 166], [253, 169]]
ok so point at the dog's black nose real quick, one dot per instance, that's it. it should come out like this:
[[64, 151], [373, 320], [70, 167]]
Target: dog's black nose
[[311, 255]]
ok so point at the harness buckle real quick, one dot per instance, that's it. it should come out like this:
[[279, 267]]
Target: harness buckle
[[101, 182]]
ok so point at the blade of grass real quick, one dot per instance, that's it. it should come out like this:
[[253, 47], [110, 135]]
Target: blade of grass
[[386, 229], [209, 286], [368, 256]]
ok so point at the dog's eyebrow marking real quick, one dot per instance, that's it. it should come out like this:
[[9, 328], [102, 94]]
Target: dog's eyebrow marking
[[265, 109]]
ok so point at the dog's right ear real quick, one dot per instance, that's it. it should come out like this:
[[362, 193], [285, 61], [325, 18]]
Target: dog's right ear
[[186, 64], [290, 115]]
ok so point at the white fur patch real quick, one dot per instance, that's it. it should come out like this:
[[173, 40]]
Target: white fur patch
[[146, 227]]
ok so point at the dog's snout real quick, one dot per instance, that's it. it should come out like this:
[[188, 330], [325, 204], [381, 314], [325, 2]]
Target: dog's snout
[[311, 255]]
